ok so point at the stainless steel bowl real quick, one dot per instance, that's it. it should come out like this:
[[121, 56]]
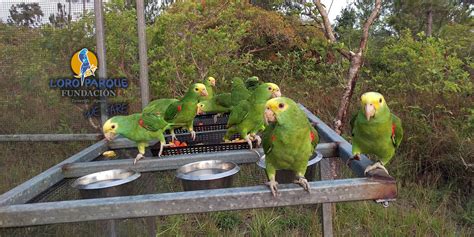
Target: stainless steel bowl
[[108, 183], [288, 176], [209, 174]]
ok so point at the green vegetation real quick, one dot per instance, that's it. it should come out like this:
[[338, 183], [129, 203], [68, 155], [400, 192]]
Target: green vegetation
[[427, 81]]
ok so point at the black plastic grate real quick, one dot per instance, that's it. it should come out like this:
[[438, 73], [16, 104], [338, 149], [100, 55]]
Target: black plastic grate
[[205, 142]]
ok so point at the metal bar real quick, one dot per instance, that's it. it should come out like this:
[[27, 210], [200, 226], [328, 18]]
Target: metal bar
[[142, 53], [327, 208], [170, 163], [50, 137], [345, 148], [100, 41], [194, 202], [38, 184]]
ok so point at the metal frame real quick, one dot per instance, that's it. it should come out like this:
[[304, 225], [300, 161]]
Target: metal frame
[[14, 212]]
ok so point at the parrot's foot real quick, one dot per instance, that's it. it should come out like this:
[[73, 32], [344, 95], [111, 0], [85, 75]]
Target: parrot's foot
[[376, 165], [247, 138], [193, 135], [215, 117], [139, 157], [355, 157], [173, 137], [272, 184], [162, 145], [303, 183], [259, 140]]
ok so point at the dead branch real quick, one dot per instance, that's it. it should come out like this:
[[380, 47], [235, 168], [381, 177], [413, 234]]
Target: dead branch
[[356, 59]]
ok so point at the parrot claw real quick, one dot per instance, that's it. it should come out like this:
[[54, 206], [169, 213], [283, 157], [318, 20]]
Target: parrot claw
[[247, 138], [259, 140], [161, 149], [173, 137], [375, 166], [272, 184], [303, 183], [193, 135], [139, 157], [215, 117]]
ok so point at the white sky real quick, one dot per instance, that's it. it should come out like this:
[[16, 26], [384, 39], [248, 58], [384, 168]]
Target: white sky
[[337, 6], [50, 6]]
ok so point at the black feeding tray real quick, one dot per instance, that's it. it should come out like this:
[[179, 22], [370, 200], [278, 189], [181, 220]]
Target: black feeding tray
[[206, 122], [204, 143]]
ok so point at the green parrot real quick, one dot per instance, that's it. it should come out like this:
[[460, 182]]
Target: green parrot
[[375, 130], [140, 128], [289, 140], [252, 83], [210, 83], [223, 103], [246, 118], [180, 113]]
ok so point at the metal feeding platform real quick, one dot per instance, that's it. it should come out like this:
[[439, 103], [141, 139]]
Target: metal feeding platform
[[25, 206]]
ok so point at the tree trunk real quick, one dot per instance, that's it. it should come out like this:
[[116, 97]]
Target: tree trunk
[[429, 23]]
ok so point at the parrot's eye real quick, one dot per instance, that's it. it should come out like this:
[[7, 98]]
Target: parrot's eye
[[113, 126], [269, 88], [196, 89], [281, 105], [380, 100]]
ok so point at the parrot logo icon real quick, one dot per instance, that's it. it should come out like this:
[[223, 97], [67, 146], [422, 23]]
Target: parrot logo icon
[[84, 64]]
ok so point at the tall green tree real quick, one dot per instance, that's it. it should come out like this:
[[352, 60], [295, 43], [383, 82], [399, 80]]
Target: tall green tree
[[25, 14], [426, 15]]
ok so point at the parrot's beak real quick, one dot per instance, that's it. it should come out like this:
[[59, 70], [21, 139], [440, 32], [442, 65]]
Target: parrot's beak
[[109, 136], [213, 83], [276, 94], [204, 93], [269, 116], [369, 111]]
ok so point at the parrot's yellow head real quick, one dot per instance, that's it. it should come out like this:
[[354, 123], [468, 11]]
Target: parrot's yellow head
[[110, 129], [274, 107], [211, 81], [274, 89], [200, 108], [372, 102], [200, 89]]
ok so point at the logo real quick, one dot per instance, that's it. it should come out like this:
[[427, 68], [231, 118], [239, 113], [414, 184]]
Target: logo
[[84, 64], [84, 86]]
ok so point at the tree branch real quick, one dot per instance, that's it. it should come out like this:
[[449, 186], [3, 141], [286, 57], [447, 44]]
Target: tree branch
[[328, 28], [367, 24]]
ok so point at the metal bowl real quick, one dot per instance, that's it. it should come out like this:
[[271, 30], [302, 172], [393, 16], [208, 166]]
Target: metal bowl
[[288, 176], [105, 179], [108, 183], [209, 174]]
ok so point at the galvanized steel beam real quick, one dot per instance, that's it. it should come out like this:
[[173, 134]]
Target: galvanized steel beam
[[194, 202], [50, 137]]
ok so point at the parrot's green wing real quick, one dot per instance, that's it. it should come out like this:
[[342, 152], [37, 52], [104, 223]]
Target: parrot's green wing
[[152, 122], [223, 99], [397, 131], [267, 143], [352, 122], [159, 106], [314, 136], [239, 113], [173, 110]]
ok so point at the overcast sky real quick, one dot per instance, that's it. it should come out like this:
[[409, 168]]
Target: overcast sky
[[50, 6]]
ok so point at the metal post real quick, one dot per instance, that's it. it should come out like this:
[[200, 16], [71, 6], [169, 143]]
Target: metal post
[[327, 212], [142, 53], [100, 41]]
